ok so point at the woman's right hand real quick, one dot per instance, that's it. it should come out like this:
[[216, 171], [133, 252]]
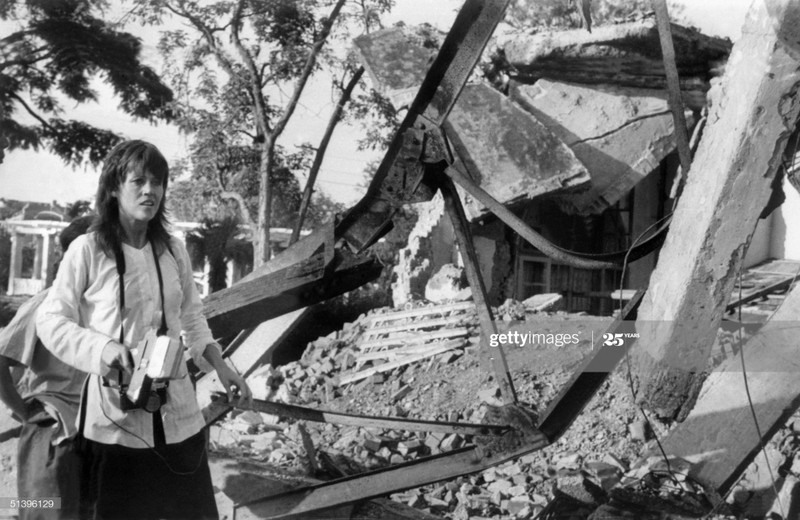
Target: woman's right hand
[[116, 357]]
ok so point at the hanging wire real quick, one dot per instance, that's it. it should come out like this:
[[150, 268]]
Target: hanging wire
[[750, 399], [629, 370]]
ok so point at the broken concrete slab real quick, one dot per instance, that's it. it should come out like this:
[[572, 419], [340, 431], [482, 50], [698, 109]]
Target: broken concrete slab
[[508, 152], [621, 134], [397, 59], [627, 54]]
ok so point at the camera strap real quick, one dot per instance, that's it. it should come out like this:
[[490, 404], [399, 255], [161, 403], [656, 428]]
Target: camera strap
[[120, 261]]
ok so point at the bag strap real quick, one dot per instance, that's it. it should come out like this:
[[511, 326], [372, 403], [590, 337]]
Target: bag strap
[[119, 257], [82, 406], [163, 329]]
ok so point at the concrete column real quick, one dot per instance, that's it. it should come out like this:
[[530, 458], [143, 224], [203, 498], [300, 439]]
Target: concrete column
[[47, 261], [38, 260], [16, 262], [728, 186]]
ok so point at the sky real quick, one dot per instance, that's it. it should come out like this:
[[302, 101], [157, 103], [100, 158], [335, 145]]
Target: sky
[[43, 177]]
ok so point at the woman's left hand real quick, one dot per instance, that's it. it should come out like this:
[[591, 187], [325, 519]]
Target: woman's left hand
[[231, 379]]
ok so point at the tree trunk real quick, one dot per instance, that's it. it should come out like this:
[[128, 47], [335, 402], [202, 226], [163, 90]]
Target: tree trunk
[[729, 185], [261, 247]]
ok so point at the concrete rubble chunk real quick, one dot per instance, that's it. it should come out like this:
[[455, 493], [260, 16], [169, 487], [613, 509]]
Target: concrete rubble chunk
[[452, 442], [544, 302], [603, 474], [401, 392], [570, 462], [516, 491], [500, 485], [511, 470], [638, 430], [396, 458], [448, 284], [406, 447], [610, 458], [580, 489], [490, 396], [373, 445], [434, 439], [517, 504], [520, 479], [449, 357]]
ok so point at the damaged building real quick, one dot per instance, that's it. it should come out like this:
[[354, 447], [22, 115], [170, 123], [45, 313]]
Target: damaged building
[[573, 143], [576, 138]]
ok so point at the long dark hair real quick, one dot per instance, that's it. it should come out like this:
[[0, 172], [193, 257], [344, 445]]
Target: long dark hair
[[137, 157]]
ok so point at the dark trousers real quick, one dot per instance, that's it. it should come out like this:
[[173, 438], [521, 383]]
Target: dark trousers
[[47, 471], [169, 481]]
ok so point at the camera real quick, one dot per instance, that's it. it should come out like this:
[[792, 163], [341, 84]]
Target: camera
[[157, 359]]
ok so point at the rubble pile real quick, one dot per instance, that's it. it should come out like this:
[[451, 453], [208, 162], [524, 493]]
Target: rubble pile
[[586, 474]]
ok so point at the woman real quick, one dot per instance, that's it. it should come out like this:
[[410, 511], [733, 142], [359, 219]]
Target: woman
[[141, 464]]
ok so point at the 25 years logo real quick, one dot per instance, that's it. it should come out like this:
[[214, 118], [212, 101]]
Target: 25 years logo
[[617, 339]]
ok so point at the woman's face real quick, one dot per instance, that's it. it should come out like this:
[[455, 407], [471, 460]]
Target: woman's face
[[139, 197]]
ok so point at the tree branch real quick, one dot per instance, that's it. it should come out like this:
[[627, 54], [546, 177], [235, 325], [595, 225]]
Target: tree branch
[[319, 156], [255, 84], [208, 34], [31, 111], [307, 69]]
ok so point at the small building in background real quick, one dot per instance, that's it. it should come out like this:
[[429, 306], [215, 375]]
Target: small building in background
[[33, 248]]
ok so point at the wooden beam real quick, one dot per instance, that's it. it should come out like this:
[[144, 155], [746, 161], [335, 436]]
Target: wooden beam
[[250, 354], [397, 354], [716, 216], [371, 217], [413, 338], [303, 413], [434, 310], [414, 325], [309, 281], [719, 435], [363, 374], [298, 503], [494, 355]]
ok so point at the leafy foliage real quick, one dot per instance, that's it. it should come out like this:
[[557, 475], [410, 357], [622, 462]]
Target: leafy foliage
[[55, 52], [238, 69], [77, 209]]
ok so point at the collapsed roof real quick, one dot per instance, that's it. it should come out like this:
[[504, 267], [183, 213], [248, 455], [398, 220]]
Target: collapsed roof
[[585, 117]]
